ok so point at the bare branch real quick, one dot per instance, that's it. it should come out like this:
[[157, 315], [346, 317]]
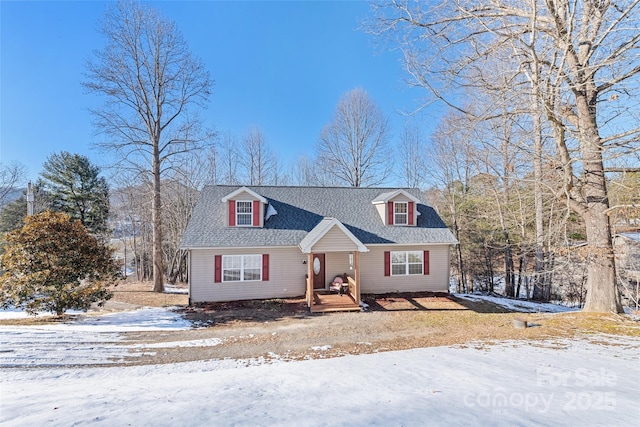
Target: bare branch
[[149, 82]]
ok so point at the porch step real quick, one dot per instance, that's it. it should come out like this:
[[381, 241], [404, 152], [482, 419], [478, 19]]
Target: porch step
[[327, 303]]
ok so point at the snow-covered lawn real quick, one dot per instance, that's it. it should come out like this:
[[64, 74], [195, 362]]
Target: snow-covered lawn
[[517, 304], [594, 381], [89, 340]]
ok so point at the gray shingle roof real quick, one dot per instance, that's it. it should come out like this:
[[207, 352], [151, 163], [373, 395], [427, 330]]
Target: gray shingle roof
[[300, 209]]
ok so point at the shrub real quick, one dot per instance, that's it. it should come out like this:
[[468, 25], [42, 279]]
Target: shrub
[[53, 264]]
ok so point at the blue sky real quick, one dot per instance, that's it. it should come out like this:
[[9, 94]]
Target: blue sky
[[281, 66]]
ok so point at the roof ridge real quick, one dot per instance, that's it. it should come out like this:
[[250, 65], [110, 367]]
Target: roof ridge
[[312, 186]]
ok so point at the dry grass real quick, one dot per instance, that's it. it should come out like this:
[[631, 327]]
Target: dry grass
[[284, 327], [37, 320], [141, 293], [593, 323], [402, 320], [134, 293]]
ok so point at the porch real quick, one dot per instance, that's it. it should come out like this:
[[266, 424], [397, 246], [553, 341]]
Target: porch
[[322, 301], [332, 249]]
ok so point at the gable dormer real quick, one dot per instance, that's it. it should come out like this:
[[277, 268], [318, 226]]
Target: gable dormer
[[398, 208], [245, 208]]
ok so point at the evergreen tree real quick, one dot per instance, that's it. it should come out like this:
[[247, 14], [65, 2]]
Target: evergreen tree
[[74, 187], [53, 264]]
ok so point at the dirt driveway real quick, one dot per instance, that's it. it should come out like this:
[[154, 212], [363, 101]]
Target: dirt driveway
[[283, 329]]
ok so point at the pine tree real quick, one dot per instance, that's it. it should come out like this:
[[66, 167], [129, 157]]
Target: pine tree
[[74, 187]]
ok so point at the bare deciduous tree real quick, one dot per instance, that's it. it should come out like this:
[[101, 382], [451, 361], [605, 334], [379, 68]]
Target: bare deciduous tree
[[585, 58], [451, 154], [10, 176], [257, 157], [413, 159], [229, 159], [150, 83], [353, 147], [302, 171]]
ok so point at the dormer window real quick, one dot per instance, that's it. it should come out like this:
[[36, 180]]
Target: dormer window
[[400, 213], [244, 213], [397, 208], [245, 208]]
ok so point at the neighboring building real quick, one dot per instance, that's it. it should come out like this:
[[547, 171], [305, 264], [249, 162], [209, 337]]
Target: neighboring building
[[262, 242]]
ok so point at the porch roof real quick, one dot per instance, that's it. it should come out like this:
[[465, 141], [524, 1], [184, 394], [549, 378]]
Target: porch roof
[[322, 229]]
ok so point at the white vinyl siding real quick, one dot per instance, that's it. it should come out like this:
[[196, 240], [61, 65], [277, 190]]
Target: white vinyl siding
[[336, 264], [400, 213], [382, 211], [373, 280], [286, 276], [334, 241], [287, 273], [241, 268], [244, 212], [406, 262]]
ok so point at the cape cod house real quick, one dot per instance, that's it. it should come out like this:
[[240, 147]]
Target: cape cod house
[[263, 242]]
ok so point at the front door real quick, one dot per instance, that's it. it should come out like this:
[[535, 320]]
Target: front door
[[318, 271]]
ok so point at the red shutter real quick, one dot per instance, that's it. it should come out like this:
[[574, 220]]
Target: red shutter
[[425, 262], [256, 213], [387, 263], [232, 213], [265, 267], [390, 209], [218, 269], [410, 209]]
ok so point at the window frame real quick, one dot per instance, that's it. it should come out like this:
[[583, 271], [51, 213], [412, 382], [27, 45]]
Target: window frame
[[406, 263], [242, 269], [244, 214], [405, 213]]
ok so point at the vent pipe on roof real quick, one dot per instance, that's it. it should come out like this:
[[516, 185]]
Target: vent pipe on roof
[[271, 211]]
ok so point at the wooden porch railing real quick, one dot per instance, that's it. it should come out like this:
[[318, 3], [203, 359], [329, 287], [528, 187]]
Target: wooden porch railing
[[352, 287]]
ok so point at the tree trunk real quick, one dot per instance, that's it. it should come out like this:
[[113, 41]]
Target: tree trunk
[[177, 266], [538, 202], [509, 276], [135, 252], [602, 290], [462, 285], [124, 244], [521, 266], [156, 218]]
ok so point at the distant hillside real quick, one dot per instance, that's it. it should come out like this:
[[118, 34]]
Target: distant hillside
[[9, 195]]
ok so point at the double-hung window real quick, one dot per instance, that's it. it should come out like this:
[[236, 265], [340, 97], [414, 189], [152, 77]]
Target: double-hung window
[[241, 268], [406, 262], [244, 213], [400, 213]]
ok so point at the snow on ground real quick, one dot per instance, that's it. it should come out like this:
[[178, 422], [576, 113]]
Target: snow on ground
[[591, 382], [89, 340], [172, 289], [518, 305], [512, 383], [143, 319]]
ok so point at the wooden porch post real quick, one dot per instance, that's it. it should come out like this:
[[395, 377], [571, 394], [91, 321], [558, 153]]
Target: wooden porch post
[[357, 274], [310, 299]]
